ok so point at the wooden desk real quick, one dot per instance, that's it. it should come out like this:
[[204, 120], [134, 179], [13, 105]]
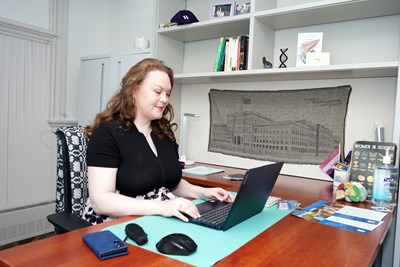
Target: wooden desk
[[290, 242]]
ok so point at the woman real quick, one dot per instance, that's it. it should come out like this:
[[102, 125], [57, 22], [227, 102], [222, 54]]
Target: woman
[[132, 154]]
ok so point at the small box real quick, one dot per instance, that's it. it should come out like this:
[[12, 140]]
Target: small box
[[318, 59]]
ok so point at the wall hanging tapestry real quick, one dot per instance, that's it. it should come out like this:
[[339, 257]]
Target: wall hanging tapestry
[[295, 126]]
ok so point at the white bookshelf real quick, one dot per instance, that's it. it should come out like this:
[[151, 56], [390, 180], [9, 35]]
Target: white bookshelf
[[319, 12], [180, 46], [365, 70]]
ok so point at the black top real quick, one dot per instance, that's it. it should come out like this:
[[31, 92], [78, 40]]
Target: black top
[[139, 169]]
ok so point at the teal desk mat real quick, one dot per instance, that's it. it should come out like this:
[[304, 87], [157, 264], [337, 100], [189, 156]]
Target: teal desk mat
[[212, 245]]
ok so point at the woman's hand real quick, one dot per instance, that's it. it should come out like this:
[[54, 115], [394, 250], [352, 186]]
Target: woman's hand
[[217, 193], [175, 207]]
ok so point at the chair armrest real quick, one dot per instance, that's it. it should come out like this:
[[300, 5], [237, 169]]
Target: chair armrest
[[66, 222]]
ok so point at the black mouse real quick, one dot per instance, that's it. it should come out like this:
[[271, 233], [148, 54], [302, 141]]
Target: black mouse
[[176, 244]]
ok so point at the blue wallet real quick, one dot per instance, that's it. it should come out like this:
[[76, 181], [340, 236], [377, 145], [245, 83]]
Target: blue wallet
[[105, 244]]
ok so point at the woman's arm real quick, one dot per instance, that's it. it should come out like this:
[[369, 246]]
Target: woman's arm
[[188, 190], [106, 201]]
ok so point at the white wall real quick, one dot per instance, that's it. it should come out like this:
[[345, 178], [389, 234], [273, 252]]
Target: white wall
[[370, 100], [101, 27], [95, 27], [35, 12], [348, 42], [87, 35], [129, 19]]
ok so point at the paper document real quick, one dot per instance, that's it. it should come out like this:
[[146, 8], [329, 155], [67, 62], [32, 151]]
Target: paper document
[[355, 219], [202, 170], [344, 217]]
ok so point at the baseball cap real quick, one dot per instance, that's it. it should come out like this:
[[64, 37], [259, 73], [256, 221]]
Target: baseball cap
[[184, 17]]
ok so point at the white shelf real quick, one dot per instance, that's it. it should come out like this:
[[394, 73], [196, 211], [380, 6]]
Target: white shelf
[[133, 52], [345, 71], [209, 29], [313, 13], [327, 11]]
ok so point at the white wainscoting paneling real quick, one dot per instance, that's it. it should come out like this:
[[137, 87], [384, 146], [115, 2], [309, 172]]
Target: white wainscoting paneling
[[27, 158]]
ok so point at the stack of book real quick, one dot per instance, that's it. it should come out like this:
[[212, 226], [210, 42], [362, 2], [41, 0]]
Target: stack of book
[[232, 53]]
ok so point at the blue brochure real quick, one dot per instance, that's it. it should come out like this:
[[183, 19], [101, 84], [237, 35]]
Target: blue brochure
[[344, 217]]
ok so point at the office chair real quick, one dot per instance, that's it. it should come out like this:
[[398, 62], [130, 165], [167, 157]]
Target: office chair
[[72, 184]]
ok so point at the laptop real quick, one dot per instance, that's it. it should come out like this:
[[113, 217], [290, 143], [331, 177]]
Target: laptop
[[250, 200]]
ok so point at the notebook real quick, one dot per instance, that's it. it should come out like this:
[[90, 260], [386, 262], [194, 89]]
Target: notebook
[[250, 200]]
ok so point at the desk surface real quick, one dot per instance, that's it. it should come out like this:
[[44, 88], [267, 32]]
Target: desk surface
[[290, 242]]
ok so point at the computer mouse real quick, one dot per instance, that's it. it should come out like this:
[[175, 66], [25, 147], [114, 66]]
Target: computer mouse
[[176, 244]]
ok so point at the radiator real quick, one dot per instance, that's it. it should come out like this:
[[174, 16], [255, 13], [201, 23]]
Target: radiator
[[25, 222]]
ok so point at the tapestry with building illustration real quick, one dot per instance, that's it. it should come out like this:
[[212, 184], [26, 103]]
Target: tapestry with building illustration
[[301, 126]]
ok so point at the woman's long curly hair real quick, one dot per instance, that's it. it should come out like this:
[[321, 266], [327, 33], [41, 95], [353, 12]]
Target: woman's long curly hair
[[122, 109]]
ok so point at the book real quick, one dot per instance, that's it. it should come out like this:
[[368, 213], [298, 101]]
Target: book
[[232, 54], [226, 55], [243, 51], [219, 58], [309, 42], [202, 170]]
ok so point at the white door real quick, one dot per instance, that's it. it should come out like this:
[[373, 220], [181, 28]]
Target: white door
[[94, 78]]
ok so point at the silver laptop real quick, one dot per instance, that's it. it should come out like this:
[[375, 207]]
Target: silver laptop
[[250, 200]]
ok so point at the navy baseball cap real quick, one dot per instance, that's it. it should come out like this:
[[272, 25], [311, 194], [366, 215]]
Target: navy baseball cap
[[184, 17]]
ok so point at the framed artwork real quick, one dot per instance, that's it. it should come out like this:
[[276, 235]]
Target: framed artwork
[[261, 131], [222, 10]]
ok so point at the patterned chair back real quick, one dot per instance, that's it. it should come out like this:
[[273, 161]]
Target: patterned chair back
[[72, 182]]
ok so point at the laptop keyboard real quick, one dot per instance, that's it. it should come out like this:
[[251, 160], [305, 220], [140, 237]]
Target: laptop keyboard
[[215, 216]]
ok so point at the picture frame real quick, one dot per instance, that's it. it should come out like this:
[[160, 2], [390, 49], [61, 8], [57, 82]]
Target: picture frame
[[243, 8], [226, 9]]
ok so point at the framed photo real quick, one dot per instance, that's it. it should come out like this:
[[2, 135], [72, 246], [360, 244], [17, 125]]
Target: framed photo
[[243, 8], [222, 10]]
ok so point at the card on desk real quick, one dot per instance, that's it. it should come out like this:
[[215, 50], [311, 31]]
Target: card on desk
[[202, 170], [105, 244]]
